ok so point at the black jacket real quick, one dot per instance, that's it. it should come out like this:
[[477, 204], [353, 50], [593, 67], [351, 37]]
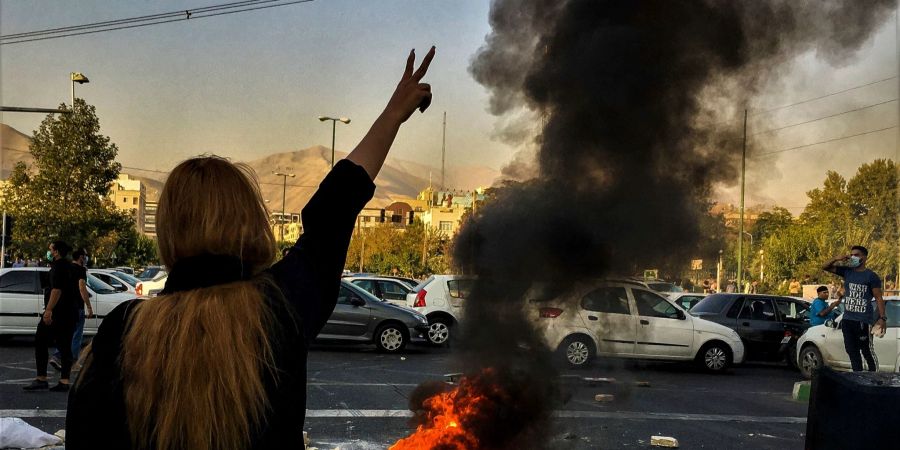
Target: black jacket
[[308, 278]]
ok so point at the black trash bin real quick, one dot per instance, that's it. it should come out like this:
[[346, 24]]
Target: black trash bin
[[855, 410]]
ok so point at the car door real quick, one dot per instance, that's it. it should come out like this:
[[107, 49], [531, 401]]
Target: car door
[[662, 330], [21, 300], [606, 311], [393, 291], [759, 327], [349, 320]]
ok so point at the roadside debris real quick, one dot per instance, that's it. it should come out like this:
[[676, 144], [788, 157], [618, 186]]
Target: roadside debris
[[604, 397], [663, 441], [642, 383]]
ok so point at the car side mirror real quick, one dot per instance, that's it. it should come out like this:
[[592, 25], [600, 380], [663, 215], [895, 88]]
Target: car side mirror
[[681, 315], [831, 323], [356, 301]]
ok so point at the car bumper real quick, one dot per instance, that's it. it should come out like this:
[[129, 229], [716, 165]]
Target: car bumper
[[418, 333], [739, 352]]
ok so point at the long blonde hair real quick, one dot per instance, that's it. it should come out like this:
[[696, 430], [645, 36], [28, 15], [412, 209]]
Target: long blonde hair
[[193, 362]]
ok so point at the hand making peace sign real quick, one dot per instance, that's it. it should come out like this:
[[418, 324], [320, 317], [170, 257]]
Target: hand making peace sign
[[411, 93]]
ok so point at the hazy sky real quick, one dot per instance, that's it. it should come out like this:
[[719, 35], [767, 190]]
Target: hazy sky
[[250, 84]]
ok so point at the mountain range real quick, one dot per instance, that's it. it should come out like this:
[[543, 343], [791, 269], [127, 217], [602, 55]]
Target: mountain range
[[397, 179]]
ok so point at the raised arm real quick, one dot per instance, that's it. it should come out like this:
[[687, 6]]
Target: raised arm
[[830, 265], [409, 95]]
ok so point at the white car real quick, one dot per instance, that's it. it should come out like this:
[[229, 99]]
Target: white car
[[440, 298], [153, 287], [824, 345], [22, 300], [120, 281], [627, 320], [391, 290]]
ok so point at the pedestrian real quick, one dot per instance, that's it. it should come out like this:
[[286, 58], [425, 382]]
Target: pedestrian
[[19, 261], [218, 358], [820, 310], [794, 289], [730, 287], [57, 324], [861, 285], [833, 290], [79, 271]]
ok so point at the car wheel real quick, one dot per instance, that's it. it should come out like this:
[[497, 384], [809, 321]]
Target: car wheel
[[577, 351], [438, 331], [715, 357], [810, 361], [390, 338]]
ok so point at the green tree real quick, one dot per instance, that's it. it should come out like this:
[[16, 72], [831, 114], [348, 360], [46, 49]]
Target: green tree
[[771, 222], [64, 194], [385, 248]]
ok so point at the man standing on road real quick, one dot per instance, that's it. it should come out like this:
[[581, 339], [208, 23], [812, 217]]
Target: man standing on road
[[820, 311], [58, 321], [860, 286], [79, 273]]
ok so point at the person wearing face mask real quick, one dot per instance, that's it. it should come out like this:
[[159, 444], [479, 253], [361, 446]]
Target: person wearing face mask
[[861, 285], [57, 324]]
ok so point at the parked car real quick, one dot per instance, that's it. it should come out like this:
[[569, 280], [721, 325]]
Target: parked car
[[121, 282], [22, 299], [388, 289], [153, 287], [626, 320], [769, 325], [361, 317], [152, 273], [440, 298], [410, 281], [824, 344], [686, 300]]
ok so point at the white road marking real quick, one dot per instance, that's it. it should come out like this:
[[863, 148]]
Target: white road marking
[[402, 413]]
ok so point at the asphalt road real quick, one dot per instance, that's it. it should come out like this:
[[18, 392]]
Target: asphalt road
[[358, 398]]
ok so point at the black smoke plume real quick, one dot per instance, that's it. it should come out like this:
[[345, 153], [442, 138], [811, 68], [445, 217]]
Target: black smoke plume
[[630, 95]]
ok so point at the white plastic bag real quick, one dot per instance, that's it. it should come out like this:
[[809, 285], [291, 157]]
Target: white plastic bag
[[16, 433]]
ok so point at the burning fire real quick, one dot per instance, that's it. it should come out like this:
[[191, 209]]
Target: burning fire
[[447, 417]]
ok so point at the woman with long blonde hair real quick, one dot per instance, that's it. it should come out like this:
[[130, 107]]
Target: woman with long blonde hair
[[218, 359]]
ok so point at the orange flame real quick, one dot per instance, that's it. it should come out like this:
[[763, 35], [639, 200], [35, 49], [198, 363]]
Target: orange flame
[[446, 415]]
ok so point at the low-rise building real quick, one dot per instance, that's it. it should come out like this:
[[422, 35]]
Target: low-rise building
[[130, 195]]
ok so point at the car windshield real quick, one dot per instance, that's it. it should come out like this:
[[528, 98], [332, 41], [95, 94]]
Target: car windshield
[[714, 304], [149, 273], [98, 286], [127, 278], [665, 287]]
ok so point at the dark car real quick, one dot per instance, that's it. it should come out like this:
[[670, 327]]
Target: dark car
[[768, 325], [360, 317]]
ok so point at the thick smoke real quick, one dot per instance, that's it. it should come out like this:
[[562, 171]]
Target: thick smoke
[[630, 94]]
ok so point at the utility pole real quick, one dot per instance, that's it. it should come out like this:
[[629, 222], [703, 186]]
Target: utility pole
[[443, 152], [3, 245], [284, 177], [740, 261]]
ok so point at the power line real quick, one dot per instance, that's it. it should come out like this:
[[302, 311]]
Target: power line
[[123, 24], [825, 117], [765, 111], [825, 141], [123, 21]]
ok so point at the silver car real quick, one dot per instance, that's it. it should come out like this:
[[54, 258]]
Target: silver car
[[361, 317]]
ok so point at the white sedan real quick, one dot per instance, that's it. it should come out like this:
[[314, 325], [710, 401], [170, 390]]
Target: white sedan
[[627, 320], [824, 345], [22, 300]]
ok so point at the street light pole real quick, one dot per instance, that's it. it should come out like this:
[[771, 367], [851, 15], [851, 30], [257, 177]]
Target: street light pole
[[284, 177], [77, 77], [334, 121]]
